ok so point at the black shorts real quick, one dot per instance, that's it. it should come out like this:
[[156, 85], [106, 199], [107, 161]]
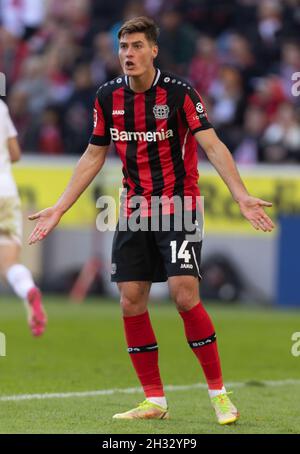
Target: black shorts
[[156, 255]]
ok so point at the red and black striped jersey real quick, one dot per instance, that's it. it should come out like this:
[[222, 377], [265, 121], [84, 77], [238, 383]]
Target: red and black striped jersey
[[153, 134]]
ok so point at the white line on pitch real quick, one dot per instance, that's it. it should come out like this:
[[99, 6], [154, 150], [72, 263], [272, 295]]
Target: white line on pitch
[[107, 392]]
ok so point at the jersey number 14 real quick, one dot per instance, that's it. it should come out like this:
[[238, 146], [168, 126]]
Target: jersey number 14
[[183, 253]]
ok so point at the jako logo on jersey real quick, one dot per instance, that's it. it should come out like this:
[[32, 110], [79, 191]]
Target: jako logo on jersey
[[95, 118], [161, 111], [118, 112], [126, 136]]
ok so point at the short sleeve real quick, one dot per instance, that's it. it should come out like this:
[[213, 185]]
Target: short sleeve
[[101, 134], [195, 112]]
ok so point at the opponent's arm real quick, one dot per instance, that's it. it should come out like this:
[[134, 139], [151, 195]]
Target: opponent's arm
[[13, 149], [85, 171], [221, 158]]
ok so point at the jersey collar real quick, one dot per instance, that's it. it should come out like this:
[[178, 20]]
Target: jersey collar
[[155, 80]]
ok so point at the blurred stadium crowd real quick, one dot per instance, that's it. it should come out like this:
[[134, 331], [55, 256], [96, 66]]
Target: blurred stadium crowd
[[239, 54]]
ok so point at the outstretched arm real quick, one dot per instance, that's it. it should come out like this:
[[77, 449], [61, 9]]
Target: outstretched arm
[[85, 171], [252, 208]]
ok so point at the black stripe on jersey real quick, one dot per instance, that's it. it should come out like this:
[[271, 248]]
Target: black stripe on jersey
[[202, 128], [100, 141], [131, 149], [175, 145], [153, 150], [107, 104], [106, 107], [183, 118], [125, 183]]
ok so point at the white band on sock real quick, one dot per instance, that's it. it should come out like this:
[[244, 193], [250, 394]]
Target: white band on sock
[[216, 392], [20, 278], [161, 401]]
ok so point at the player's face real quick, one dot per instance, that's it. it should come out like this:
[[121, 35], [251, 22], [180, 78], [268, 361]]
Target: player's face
[[136, 54]]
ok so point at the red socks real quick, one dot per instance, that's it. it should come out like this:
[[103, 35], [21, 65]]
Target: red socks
[[143, 351], [143, 348], [201, 337]]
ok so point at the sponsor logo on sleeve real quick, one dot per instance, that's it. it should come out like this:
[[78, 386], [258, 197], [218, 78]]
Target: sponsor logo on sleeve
[[199, 107]]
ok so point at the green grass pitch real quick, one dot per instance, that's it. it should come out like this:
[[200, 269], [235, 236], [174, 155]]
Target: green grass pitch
[[84, 350]]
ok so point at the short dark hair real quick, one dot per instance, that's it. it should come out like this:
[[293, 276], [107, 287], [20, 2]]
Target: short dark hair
[[140, 24]]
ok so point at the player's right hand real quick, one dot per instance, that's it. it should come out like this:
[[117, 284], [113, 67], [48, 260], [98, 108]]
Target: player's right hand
[[47, 220]]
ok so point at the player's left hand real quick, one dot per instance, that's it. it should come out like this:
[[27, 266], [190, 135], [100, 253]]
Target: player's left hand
[[253, 210]]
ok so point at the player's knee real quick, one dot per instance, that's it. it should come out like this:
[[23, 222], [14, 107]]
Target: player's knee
[[132, 305], [133, 298], [184, 298], [127, 302]]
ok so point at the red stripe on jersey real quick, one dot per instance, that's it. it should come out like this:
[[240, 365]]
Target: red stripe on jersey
[[192, 115], [190, 158], [118, 106], [164, 148], [191, 187], [99, 122], [142, 146], [182, 129]]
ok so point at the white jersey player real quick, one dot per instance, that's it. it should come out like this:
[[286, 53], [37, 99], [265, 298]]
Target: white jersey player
[[17, 275]]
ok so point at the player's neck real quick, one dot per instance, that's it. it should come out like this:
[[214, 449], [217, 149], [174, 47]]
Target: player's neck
[[142, 83]]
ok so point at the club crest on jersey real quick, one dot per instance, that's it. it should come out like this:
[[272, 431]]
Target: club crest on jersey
[[161, 111], [95, 118]]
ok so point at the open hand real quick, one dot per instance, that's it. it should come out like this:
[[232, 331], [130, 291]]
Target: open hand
[[253, 210], [47, 220]]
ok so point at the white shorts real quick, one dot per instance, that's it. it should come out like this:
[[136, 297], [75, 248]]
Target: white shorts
[[10, 220]]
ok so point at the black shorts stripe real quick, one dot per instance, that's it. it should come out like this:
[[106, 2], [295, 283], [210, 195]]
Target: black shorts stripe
[[143, 349], [203, 342]]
